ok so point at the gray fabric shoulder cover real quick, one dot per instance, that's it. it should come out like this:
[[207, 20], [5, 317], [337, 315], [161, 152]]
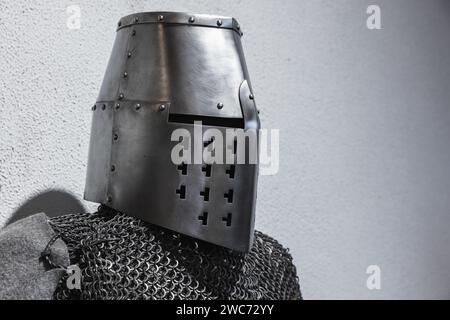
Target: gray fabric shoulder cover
[[23, 275]]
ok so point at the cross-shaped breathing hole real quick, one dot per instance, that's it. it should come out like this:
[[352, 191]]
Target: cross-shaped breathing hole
[[230, 171], [208, 142], [205, 194], [227, 219], [207, 170], [204, 218], [229, 196], [181, 192], [183, 168]]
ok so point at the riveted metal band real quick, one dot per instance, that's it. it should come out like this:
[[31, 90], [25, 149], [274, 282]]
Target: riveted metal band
[[180, 18]]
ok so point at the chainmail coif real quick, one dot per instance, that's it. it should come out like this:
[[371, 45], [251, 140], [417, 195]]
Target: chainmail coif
[[122, 257]]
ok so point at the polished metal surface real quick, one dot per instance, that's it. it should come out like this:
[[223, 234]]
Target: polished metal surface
[[165, 71]]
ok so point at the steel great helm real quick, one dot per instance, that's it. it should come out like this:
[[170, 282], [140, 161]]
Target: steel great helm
[[169, 71]]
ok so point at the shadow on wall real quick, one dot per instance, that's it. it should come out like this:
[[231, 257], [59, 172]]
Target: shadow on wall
[[52, 202]]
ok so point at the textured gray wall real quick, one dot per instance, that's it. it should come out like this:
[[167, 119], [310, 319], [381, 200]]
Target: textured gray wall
[[364, 119]]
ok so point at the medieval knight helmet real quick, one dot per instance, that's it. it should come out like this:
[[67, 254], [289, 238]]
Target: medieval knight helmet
[[166, 72]]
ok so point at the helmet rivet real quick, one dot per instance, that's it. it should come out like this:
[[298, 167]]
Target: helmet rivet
[[191, 19], [109, 199], [219, 22], [220, 105], [116, 137], [162, 107], [160, 17], [103, 107], [121, 96], [136, 19], [238, 27], [125, 74], [129, 54], [119, 23], [133, 33], [94, 107], [258, 111], [117, 105], [251, 97], [138, 106], [113, 168]]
